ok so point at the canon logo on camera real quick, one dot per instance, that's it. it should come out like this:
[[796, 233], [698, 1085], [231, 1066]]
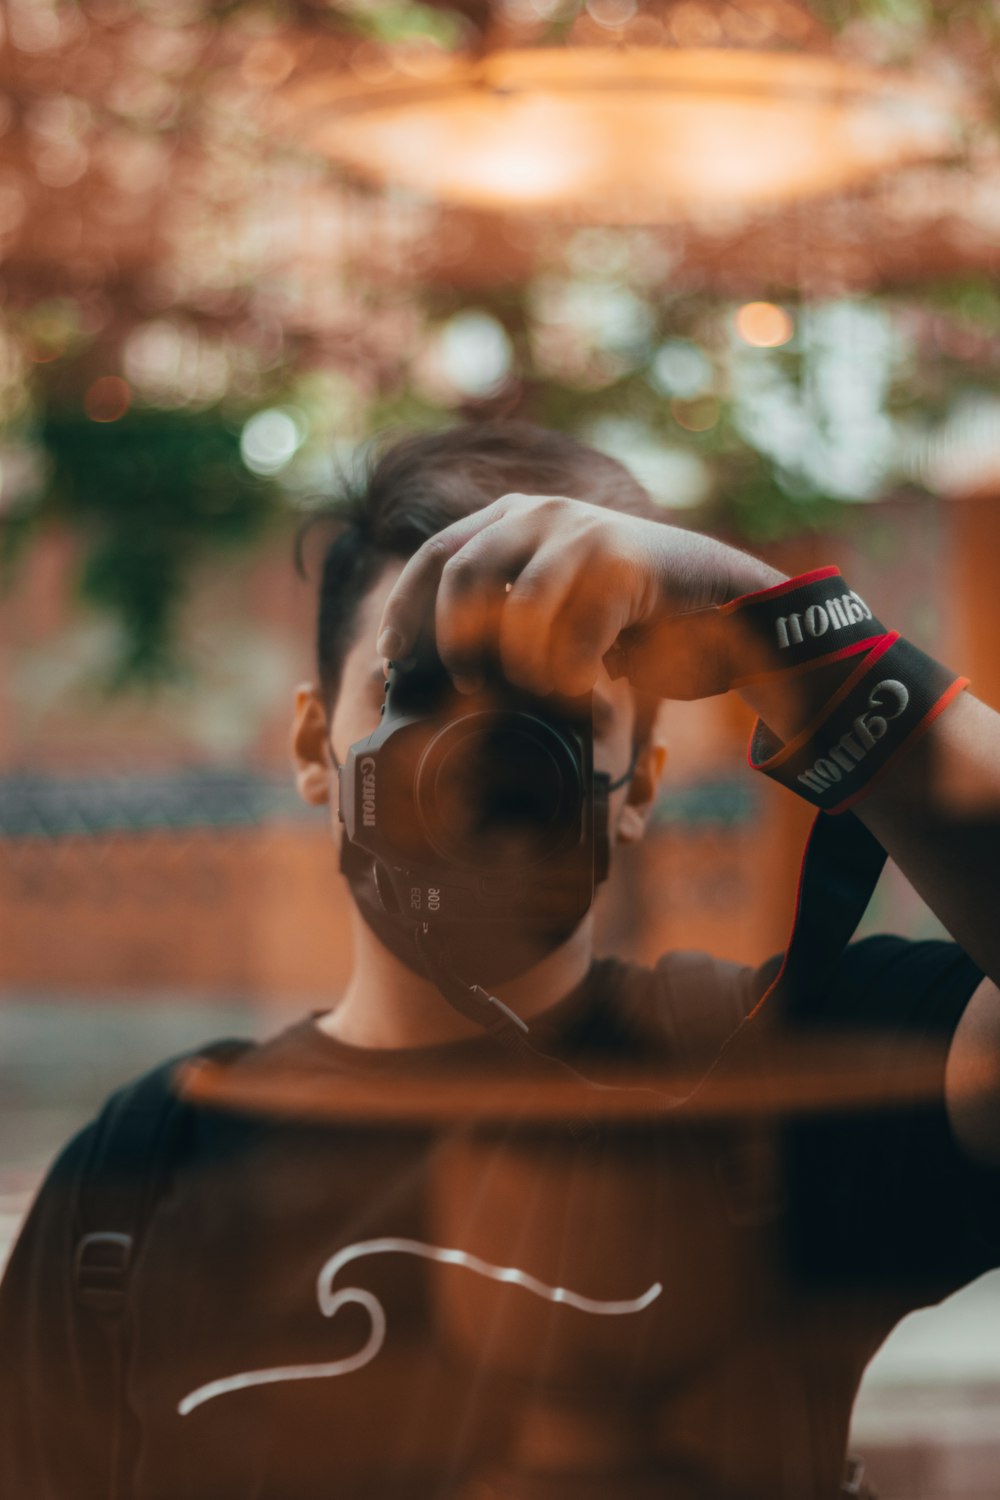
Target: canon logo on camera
[[367, 769]]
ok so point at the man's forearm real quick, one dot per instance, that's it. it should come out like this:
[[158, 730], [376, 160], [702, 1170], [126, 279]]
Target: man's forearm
[[937, 813], [936, 810]]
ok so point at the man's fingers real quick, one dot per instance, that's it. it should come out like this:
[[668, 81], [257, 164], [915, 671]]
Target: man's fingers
[[584, 631], [684, 656], [467, 613], [410, 606], [411, 603], [584, 601], [588, 624], [529, 611], [536, 578], [472, 592]]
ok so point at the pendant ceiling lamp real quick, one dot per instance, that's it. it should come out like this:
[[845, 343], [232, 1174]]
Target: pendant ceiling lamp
[[626, 135]]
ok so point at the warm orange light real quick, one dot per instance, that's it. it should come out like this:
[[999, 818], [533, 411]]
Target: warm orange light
[[764, 325], [624, 135], [108, 399], [696, 416]]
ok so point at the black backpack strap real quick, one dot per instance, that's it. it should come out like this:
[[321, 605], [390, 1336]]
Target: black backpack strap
[[122, 1176]]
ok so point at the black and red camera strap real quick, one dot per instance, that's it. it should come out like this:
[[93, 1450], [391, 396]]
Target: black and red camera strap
[[889, 698]]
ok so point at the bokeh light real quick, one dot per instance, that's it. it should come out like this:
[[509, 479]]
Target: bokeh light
[[765, 325], [696, 416], [476, 354], [107, 399], [675, 478], [680, 368], [270, 439]]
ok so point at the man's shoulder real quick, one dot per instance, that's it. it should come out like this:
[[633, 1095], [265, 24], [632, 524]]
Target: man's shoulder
[[684, 1006], [885, 981], [133, 1130], [691, 1001]]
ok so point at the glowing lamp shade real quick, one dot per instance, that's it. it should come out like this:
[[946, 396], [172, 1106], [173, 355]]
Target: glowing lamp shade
[[625, 136]]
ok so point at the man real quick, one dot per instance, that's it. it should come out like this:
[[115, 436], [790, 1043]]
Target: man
[[410, 1296]]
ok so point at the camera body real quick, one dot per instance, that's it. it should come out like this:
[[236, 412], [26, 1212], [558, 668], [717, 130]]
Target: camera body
[[480, 812]]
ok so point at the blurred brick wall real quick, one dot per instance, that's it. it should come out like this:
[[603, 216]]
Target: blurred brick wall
[[247, 912]]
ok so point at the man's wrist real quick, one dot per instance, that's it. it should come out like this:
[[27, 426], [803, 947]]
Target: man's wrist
[[788, 704]]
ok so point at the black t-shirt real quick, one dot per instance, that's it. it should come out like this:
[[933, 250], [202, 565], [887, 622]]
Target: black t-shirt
[[362, 1311]]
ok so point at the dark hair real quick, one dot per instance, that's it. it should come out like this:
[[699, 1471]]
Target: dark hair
[[415, 486]]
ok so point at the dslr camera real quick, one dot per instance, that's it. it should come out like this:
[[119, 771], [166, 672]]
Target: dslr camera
[[482, 813]]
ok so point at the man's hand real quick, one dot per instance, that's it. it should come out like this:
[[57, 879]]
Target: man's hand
[[550, 585]]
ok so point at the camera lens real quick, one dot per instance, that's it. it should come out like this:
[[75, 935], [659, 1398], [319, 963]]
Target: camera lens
[[498, 792]]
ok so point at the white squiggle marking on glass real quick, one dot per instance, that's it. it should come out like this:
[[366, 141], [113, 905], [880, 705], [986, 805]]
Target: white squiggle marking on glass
[[330, 1302]]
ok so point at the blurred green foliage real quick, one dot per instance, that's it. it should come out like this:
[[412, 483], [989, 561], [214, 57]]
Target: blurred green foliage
[[149, 495]]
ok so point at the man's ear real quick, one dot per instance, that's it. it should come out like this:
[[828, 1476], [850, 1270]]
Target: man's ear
[[649, 767], [311, 746]]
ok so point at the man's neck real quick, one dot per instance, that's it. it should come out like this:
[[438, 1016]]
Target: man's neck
[[387, 1006]]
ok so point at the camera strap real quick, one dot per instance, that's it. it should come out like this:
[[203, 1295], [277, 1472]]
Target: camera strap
[[502, 1024], [892, 694], [470, 1000], [841, 865], [888, 700], [809, 621]]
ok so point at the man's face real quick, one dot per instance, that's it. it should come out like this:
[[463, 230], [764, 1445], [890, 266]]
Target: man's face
[[356, 711]]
